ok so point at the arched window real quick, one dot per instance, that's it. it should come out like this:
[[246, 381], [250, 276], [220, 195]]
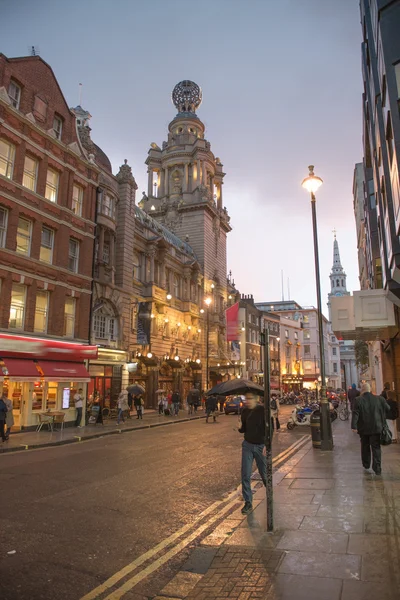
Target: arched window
[[342, 283], [105, 323], [337, 283], [136, 266]]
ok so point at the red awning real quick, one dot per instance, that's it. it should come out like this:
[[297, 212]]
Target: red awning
[[19, 369], [63, 371], [17, 346]]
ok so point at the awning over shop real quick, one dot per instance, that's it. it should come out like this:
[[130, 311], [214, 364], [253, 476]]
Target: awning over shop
[[20, 369], [63, 371]]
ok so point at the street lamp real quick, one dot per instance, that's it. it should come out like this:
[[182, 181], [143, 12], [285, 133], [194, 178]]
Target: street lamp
[[207, 302], [312, 183]]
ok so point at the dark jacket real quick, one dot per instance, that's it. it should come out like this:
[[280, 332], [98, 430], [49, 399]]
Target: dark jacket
[[176, 398], [211, 403], [3, 410], [352, 394], [253, 425], [369, 414], [394, 410]]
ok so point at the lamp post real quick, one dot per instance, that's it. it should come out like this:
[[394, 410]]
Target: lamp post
[[264, 342], [311, 184], [207, 301]]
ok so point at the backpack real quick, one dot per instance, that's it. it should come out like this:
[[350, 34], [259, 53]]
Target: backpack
[[273, 404]]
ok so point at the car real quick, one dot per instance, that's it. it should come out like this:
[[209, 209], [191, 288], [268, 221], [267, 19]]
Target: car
[[234, 405]]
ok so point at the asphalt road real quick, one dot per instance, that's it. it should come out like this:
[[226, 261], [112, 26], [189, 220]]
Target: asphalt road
[[72, 516]]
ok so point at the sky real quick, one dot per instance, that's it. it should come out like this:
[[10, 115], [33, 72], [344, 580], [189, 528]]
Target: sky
[[281, 83]]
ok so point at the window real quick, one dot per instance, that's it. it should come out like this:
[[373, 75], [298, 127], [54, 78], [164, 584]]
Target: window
[[7, 154], [30, 173], [306, 334], [334, 351], [77, 199], [105, 327], [24, 236], [287, 351], [249, 318], [17, 307], [100, 326], [14, 93], [335, 367], [69, 317], [106, 253], [296, 335], [136, 266], [253, 337], [41, 312], [57, 126], [39, 109], [107, 205], [52, 181], [3, 226], [389, 138], [307, 366], [46, 245], [73, 255], [286, 333]]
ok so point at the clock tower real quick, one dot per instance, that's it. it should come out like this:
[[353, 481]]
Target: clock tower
[[337, 276]]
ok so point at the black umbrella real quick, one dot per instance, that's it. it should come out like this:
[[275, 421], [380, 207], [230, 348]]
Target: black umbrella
[[135, 389], [236, 386]]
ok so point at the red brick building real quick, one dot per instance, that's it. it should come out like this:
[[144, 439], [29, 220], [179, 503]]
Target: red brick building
[[48, 186]]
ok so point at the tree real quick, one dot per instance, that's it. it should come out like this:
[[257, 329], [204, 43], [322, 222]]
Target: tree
[[362, 354]]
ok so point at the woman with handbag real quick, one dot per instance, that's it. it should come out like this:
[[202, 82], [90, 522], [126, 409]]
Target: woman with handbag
[[393, 415]]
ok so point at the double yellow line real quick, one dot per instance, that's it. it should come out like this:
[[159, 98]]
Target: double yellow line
[[231, 500]]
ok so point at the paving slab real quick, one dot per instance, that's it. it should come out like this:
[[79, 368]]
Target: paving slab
[[363, 590], [384, 569], [349, 525], [181, 585], [297, 587], [374, 544], [310, 541], [312, 484], [343, 566]]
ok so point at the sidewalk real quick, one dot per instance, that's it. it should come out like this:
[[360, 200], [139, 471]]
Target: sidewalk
[[337, 534], [70, 435]]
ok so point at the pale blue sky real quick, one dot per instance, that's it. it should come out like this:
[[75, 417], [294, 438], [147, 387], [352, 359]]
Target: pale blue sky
[[281, 85]]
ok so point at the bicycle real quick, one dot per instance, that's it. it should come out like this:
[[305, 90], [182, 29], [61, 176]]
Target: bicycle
[[344, 413]]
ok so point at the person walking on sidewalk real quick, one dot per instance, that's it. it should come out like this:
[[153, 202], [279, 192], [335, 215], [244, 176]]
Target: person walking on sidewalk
[[352, 394], [275, 406], [122, 406], [211, 407], [9, 415], [138, 402], [392, 416], [78, 399], [368, 420], [176, 399], [3, 413], [252, 422]]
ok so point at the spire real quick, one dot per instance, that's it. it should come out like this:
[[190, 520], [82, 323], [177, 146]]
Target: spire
[[337, 276], [337, 265]]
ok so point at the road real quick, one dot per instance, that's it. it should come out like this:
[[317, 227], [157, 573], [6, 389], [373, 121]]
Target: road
[[72, 516]]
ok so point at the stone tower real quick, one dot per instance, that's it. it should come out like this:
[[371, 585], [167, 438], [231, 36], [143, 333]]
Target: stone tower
[[338, 276], [185, 187]]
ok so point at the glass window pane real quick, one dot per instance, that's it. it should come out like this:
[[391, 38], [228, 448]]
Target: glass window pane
[[17, 306], [7, 154], [3, 226], [52, 180], [30, 173], [41, 310], [46, 247], [77, 198], [23, 236], [69, 317]]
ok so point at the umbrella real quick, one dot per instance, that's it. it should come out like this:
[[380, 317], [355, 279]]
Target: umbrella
[[135, 389], [236, 386], [160, 391]]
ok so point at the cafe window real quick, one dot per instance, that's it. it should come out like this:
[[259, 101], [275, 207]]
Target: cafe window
[[41, 312], [51, 396], [38, 395], [69, 317]]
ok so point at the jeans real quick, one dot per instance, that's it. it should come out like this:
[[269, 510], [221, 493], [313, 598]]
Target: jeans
[[78, 416], [368, 443], [176, 408], [252, 452], [278, 425], [2, 428], [120, 415]]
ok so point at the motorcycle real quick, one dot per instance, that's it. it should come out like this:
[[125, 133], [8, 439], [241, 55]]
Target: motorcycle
[[300, 416]]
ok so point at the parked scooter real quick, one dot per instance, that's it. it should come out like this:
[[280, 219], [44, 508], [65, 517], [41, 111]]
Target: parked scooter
[[300, 416]]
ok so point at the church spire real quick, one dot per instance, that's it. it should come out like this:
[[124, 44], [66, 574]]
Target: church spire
[[338, 276]]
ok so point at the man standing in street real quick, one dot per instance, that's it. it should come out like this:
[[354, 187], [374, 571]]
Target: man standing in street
[[211, 407], [78, 399], [252, 425], [176, 398], [352, 394], [368, 420]]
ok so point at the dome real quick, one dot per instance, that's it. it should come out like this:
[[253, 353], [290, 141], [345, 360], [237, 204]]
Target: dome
[[102, 159], [186, 96]]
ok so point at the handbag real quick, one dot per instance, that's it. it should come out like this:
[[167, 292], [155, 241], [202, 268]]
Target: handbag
[[386, 436]]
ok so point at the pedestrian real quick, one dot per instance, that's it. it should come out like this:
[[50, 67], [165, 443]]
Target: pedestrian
[[176, 399], [78, 400], [386, 389], [368, 420], [196, 402], [275, 407], [252, 425], [211, 407], [9, 415], [169, 400], [3, 413], [221, 401], [138, 402], [352, 394], [130, 402], [392, 416], [122, 405], [190, 402], [161, 405]]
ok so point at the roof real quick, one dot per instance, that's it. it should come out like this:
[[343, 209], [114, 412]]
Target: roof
[[162, 231], [102, 158]]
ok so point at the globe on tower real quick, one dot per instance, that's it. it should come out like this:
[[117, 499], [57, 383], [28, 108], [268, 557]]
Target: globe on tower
[[186, 96]]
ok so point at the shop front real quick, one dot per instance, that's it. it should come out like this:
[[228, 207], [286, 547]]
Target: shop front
[[41, 375], [108, 376]]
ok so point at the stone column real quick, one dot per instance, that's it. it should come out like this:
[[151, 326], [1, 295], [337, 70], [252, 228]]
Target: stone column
[[143, 267], [150, 183], [190, 178], [204, 177], [162, 184], [166, 181], [112, 250], [185, 178], [151, 255], [198, 172], [101, 244]]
